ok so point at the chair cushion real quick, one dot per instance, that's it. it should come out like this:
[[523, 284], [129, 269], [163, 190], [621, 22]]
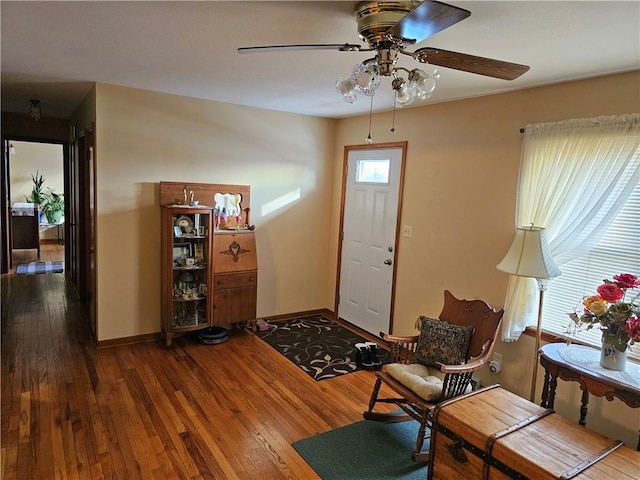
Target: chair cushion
[[426, 382], [443, 342]]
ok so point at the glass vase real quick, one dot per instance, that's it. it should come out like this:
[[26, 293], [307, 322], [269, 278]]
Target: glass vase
[[611, 357]]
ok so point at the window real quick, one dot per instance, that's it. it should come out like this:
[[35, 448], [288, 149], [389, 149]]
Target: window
[[372, 171], [617, 252], [576, 177]]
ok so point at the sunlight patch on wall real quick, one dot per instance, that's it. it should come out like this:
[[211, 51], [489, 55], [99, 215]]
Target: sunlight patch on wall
[[280, 202]]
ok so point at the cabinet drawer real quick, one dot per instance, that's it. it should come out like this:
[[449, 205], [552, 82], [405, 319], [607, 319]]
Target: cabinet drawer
[[235, 280]]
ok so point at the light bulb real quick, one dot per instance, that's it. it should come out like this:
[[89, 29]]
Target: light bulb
[[423, 83], [365, 78], [404, 95], [345, 87]]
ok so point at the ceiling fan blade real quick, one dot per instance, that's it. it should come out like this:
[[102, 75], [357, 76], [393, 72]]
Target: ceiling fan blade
[[426, 20], [470, 63], [342, 47]]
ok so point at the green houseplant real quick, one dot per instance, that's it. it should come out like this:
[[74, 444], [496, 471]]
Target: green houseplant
[[37, 195], [53, 207]]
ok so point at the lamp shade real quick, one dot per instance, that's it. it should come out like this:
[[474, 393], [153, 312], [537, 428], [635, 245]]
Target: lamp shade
[[529, 255]]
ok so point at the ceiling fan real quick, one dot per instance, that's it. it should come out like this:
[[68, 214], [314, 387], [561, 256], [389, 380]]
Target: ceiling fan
[[389, 28]]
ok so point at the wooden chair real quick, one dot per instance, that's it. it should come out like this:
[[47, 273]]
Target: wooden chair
[[456, 379]]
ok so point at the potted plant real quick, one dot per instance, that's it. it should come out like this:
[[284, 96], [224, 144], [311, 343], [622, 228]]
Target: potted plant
[[619, 319], [53, 207], [37, 195]]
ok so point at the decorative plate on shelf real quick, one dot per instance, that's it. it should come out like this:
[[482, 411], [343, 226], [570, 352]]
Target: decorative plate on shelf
[[185, 223]]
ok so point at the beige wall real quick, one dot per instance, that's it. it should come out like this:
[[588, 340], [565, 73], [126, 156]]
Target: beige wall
[[460, 187], [45, 159], [32, 157], [85, 113], [143, 138], [459, 196]]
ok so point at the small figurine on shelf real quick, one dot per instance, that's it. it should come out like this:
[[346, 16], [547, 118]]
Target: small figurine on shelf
[[248, 225], [223, 216], [216, 218]]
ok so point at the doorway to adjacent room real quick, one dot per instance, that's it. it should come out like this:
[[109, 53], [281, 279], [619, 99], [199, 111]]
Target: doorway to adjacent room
[[36, 176]]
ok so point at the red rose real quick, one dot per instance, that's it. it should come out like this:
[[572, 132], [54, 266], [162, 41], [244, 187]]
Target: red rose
[[626, 280], [633, 329], [610, 292]]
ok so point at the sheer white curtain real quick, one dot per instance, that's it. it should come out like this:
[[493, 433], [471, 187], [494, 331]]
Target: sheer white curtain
[[575, 176]]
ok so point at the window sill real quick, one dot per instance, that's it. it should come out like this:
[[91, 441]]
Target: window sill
[[549, 337], [553, 338]]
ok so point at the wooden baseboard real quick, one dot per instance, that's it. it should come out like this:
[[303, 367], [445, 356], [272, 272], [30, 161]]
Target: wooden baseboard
[[155, 337], [113, 342]]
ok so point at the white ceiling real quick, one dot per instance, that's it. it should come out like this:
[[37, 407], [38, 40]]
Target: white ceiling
[[53, 51]]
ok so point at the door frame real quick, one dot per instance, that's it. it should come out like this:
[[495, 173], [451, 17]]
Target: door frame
[[345, 163], [85, 220], [5, 205]]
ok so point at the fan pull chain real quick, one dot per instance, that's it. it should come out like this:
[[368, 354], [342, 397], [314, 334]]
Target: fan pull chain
[[369, 139], [393, 117]]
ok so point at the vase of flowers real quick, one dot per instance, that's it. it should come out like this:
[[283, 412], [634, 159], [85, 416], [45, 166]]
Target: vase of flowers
[[617, 317]]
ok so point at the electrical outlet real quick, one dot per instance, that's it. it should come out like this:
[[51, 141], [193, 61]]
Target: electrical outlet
[[407, 231], [495, 365]]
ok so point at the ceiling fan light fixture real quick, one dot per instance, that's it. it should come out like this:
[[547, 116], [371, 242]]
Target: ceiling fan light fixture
[[366, 78], [35, 111]]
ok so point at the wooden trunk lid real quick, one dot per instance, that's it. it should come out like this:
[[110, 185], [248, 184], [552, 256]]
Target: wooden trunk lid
[[532, 442]]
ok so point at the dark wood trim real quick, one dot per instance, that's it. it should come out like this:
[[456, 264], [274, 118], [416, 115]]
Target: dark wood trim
[[5, 222]]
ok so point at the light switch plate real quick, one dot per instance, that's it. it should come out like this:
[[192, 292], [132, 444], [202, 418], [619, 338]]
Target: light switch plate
[[407, 231]]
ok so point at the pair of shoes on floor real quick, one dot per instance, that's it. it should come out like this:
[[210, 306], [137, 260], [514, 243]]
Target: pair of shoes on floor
[[366, 356]]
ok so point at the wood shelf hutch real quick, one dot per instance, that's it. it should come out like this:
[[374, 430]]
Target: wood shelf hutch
[[209, 261]]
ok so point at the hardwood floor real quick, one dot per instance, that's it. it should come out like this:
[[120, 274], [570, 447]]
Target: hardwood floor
[[227, 411]]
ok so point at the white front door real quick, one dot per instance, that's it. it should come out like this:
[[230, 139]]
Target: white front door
[[370, 216]]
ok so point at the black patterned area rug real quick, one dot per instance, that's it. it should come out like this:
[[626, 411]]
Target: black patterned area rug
[[320, 347]]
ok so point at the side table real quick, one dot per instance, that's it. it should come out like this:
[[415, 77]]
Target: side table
[[581, 364]]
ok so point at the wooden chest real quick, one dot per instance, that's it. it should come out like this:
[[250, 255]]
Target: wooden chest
[[494, 434]]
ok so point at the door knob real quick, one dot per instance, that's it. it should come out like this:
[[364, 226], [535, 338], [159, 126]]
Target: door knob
[[387, 261]]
